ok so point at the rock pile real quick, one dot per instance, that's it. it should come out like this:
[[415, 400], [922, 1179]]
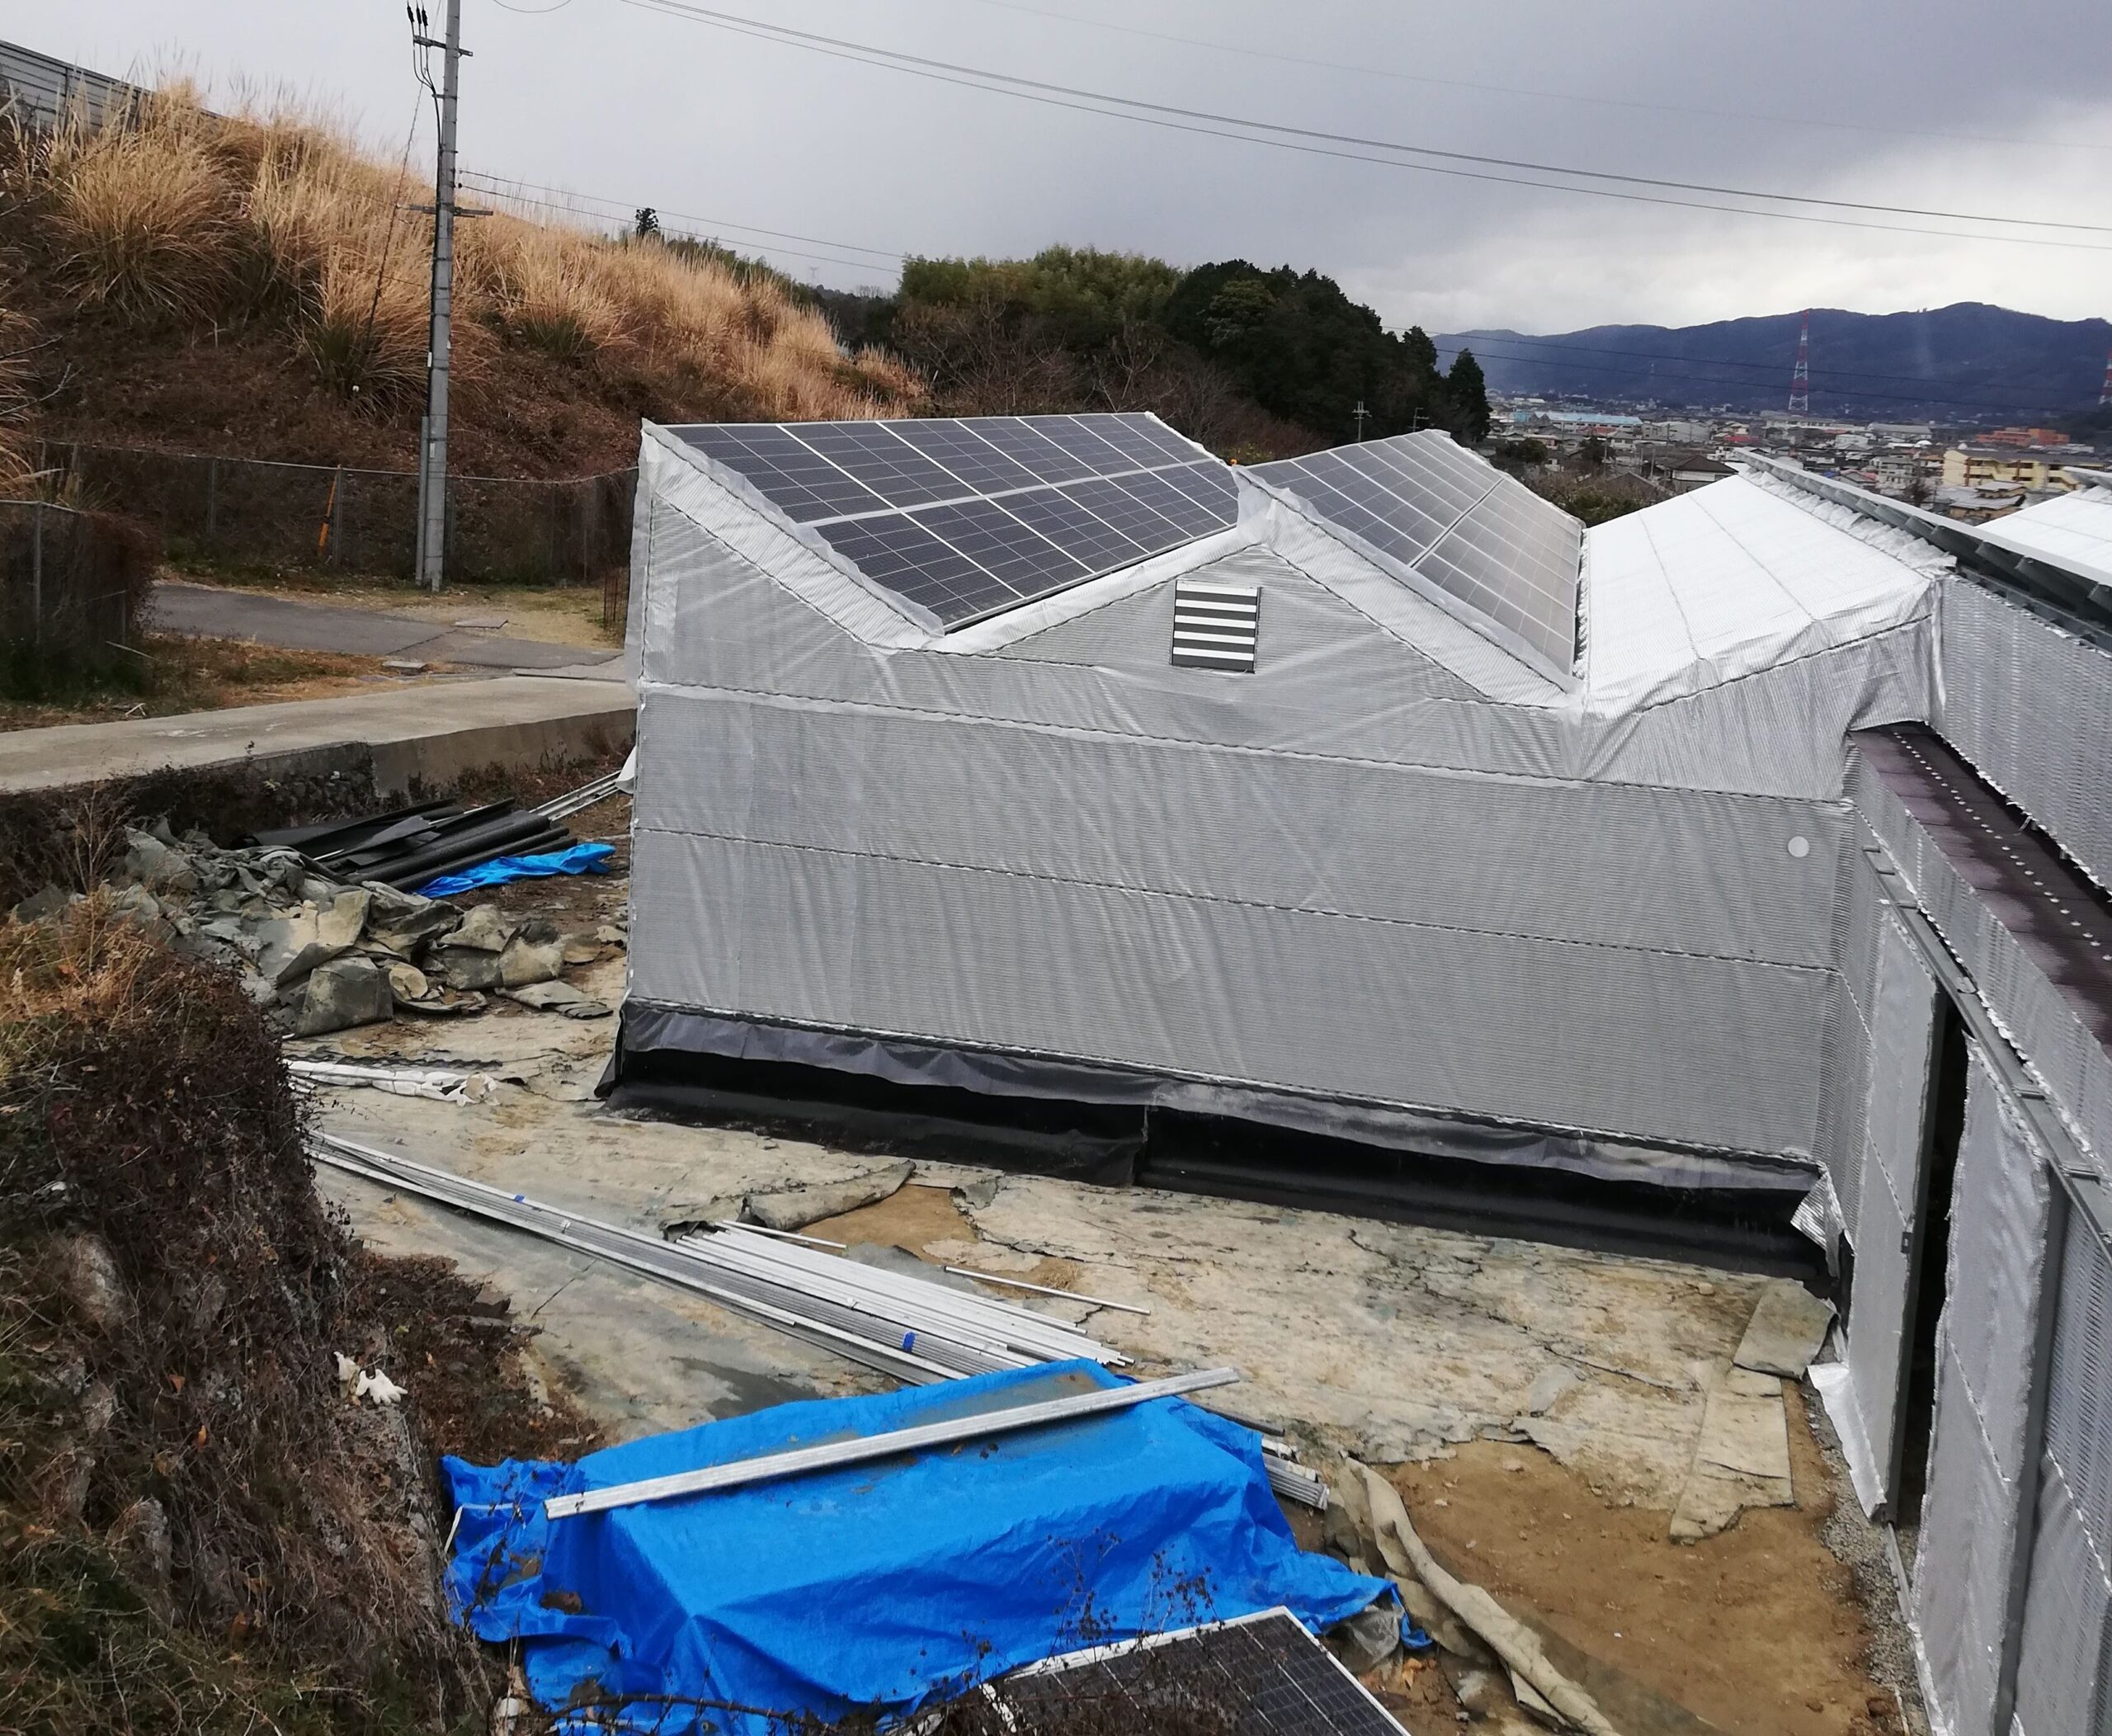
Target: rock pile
[[323, 956]]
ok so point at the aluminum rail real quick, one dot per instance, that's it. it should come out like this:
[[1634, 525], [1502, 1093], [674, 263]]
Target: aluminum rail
[[1044, 1290], [647, 1255], [918, 1304], [833, 1454]]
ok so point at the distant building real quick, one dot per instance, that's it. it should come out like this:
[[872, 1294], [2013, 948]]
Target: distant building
[[1970, 466], [1694, 470], [2024, 437]]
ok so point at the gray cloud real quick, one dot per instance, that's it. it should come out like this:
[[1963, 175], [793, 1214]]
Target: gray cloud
[[615, 101]]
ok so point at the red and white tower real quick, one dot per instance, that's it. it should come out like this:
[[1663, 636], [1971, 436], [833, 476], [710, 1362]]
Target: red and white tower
[[2105, 391], [1800, 381]]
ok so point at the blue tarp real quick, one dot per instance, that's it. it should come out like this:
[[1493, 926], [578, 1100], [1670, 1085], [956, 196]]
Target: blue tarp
[[573, 859], [881, 1585]]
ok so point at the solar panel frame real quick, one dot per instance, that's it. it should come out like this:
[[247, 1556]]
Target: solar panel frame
[[1476, 539], [1004, 546], [873, 455], [1263, 1672], [965, 454], [785, 470], [983, 513]]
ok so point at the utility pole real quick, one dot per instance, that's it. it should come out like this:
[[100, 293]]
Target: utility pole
[[1359, 413], [432, 445]]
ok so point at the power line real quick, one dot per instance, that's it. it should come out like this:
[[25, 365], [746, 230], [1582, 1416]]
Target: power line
[[1162, 114], [1509, 90], [499, 187], [572, 205]]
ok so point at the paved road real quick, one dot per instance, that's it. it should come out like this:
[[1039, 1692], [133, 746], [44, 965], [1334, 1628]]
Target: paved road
[[434, 730], [204, 611]]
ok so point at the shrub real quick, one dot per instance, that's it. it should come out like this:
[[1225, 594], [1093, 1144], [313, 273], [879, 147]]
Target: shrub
[[140, 211]]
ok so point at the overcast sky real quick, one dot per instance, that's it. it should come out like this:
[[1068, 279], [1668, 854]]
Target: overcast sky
[[1931, 103]]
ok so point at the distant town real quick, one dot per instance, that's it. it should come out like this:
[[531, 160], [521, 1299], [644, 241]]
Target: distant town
[[1970, 473]]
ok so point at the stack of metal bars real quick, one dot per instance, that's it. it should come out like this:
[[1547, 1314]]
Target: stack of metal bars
[[585, 796], [964, 1333], [408, 847], [913, 1328]]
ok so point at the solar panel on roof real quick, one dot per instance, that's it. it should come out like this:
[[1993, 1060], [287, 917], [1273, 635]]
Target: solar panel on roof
[[1260, 1675], [964, 517], [1444, 521]]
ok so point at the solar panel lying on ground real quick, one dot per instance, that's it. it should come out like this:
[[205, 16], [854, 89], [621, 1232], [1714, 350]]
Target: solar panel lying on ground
[[1444, 521], [1260, 1676], [966, 518]]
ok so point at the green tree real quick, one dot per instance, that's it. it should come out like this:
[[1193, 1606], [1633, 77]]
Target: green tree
[[1468, 393]]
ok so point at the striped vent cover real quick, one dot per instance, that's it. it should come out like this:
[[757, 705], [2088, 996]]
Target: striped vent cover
[[1215, 626]]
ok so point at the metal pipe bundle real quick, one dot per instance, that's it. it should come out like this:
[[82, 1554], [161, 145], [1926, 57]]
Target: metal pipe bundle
[[563, 807]]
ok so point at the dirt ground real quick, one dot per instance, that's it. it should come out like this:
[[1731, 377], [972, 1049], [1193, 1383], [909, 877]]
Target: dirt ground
[[1755, 1630], [181, 675]]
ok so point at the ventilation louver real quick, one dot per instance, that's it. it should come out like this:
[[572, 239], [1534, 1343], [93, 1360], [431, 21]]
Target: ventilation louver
[[1216, 626]]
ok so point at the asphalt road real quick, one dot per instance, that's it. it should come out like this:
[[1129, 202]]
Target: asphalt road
[[202, 611]]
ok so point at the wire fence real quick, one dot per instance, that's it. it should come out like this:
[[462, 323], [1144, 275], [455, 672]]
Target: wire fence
[[40, 90], [70, 581], [322, 518]]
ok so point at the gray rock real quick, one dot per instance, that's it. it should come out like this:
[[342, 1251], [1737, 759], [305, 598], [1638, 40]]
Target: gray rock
[[316, 890], [443, 1001], [341, 993], [465, 967], [62, 1485], [138, 1538], [552, 997], [795, 1208], [136, 905], [609, 935], [525, 961], [38, 905], [1367, 1639], [157, 864], [98, 1408], [407, 981], [485, 930], [290, 946], [340, 924], [88, 1278], [581, 949]]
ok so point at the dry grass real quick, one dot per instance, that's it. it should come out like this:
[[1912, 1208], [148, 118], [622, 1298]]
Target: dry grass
[[172, 212], [141, 209]]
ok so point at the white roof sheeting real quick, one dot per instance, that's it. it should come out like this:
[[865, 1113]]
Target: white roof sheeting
[[1732, 579], [2072, 531]]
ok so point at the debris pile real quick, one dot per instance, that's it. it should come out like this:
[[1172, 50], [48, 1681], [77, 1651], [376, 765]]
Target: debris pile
[[322, 953]]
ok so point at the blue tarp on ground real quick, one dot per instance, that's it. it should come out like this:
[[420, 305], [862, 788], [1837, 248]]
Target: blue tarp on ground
[[573, 859], [881, 1585]]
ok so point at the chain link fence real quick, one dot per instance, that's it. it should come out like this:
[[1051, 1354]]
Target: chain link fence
[[71, 582], [324, 517]]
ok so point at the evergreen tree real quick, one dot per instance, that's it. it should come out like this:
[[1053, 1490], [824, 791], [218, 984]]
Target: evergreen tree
[[1469, 395]]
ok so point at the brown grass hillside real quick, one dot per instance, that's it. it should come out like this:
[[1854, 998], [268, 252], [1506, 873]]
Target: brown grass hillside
[[253, 284]]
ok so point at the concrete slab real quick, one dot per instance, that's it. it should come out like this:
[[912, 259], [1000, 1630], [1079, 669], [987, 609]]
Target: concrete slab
[[434, 732]]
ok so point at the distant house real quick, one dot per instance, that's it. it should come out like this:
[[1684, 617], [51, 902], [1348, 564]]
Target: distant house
[[1695, 471], [1975, 503]]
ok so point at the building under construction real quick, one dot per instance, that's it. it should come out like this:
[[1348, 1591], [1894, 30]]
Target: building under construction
[[1045, 779]]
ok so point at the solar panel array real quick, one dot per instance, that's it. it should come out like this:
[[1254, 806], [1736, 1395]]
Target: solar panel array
[[1262, 1676], [1481, 538], [965, 517]]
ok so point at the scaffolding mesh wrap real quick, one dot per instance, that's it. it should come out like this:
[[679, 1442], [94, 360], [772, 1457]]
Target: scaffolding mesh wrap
[[2042, 1022], [2024, 702], [1980, 1440], [2062, 1679], [1902, 1039]]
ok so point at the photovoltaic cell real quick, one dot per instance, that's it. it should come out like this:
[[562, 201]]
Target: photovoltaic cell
[[1003, 546], [1260, 1676], [873, 454], [980, 466], [964, 517], [1476, 536]]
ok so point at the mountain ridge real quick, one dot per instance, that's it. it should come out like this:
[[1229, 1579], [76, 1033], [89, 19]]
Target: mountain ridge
[[1969, 362]]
